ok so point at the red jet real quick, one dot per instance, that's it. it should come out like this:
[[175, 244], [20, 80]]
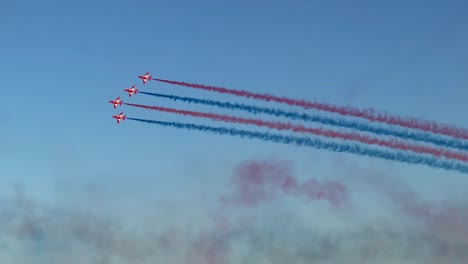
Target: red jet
[[119, 117], [131, 91], [116, 102], [145, 77]]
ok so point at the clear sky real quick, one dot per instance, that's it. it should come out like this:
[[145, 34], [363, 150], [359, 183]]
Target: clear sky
[[60, 62]]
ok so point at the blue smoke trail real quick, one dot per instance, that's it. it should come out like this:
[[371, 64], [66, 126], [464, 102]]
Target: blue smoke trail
[[319, 144], [412, 135]]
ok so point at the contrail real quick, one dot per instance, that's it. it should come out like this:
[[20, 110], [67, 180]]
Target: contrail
[[411, 135], [316, 131], [369, 114], [319, 144]]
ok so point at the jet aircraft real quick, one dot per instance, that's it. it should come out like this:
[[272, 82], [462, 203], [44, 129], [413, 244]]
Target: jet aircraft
[[145, 78], [116, 102], [131, 91], [119, 117]]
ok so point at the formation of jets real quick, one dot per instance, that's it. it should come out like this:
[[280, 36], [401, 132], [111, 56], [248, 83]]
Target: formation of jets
[[131, 91]]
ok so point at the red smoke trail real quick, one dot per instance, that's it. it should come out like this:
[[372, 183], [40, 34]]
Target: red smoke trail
[[256, 181], [395, 144], [441, 215], [259, 181], [369, 114]]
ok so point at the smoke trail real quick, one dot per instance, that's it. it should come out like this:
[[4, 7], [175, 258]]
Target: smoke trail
[[412, 135], [42, 233], [257, 180], [319, 144], [369, 114], [445, 216], [316, 131]]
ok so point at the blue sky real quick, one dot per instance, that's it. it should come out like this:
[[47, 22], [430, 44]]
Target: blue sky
[[61, 63]]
